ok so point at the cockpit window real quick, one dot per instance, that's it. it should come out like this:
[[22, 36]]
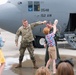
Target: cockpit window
[[36, 6], [30, 6], [33, 6]]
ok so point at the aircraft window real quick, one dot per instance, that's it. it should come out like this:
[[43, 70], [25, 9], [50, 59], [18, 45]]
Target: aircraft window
[[36, 6], [30, 6]]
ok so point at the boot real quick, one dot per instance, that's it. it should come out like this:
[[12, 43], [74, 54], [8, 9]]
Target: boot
[[19, 65], [20, 61], [35, 66]]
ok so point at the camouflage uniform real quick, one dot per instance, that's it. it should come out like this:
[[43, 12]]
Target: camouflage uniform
[[26, 41]]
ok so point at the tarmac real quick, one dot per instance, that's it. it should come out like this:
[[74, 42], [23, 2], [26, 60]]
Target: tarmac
[[11, 53]]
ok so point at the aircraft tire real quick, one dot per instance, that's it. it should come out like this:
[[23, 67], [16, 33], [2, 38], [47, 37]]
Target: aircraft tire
[[39, 42]]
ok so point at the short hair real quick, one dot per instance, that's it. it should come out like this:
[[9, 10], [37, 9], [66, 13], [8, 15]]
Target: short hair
[[64, 68], [48, 22], [46, 30], [24, 20], [43, 71], [68, 61]]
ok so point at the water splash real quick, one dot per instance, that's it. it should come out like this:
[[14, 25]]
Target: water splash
[[12, 60]]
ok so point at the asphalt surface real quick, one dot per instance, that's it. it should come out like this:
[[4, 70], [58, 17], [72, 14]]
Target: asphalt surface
[[11, 54]]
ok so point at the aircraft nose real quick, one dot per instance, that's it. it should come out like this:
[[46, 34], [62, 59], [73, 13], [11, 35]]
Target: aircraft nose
[[9, 13]]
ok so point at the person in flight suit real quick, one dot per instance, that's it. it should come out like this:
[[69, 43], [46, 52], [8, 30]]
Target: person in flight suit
[[27, 40]]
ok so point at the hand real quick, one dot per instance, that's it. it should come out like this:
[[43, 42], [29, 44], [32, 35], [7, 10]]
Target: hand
[[45, 45], [16, 43], [57, 29], [56, 21], [44, 22]]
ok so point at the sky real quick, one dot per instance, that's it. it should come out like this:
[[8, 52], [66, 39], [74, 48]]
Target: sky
[[3, 1]]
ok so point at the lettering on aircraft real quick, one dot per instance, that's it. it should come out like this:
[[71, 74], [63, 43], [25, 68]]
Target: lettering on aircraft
[[49, 15], [44, 10], [46, 15], [43, 15]]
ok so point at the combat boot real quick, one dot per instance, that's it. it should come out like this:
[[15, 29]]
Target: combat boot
[[35, 66], [19, 66]]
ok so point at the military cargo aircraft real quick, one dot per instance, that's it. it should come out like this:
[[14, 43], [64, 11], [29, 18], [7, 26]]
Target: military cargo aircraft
[[13, 11]]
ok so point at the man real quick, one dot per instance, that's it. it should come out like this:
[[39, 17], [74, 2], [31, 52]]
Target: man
[[26, 42], [49, 25]]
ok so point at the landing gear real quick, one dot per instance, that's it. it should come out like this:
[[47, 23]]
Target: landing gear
[[39, 42]]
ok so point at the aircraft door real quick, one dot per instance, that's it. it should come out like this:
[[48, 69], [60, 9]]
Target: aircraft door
[[72, 26]]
